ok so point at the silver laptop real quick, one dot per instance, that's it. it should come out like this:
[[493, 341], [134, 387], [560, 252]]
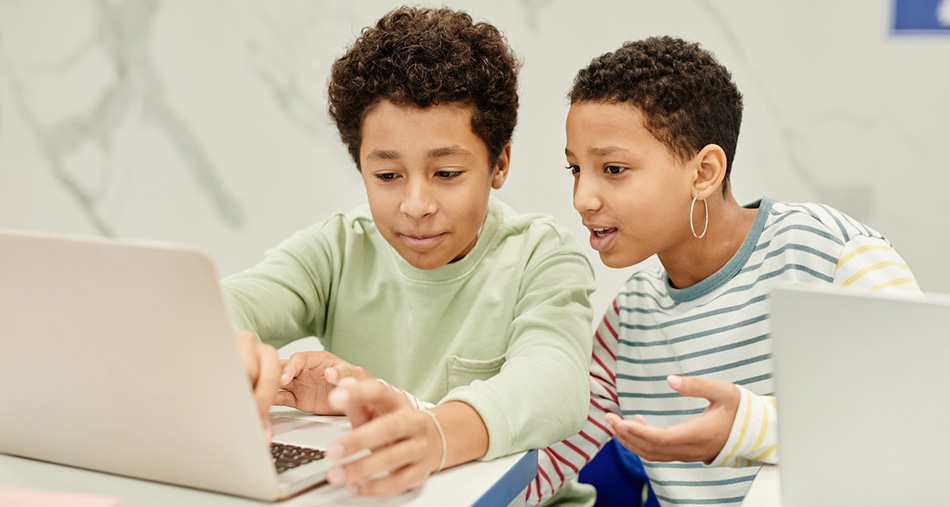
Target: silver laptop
[[119, 357], [863, 388]]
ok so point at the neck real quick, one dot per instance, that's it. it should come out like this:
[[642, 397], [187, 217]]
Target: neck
[[695, 259]]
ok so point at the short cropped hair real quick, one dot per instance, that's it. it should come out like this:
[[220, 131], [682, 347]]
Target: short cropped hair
[[423, 57], [687, 97]]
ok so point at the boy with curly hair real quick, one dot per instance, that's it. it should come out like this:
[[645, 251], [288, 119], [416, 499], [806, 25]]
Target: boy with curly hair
[[436, 287], [681, 370]]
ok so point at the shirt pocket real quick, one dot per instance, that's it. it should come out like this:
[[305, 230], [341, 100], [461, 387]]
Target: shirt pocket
[[463, 371]]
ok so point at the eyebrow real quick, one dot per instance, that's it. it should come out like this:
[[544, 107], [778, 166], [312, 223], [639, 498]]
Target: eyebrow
[[444, 151], [600, 152], [384, 154], [606, 150], [447, 151]]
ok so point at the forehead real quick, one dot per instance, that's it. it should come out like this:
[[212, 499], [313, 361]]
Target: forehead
[[604, 116], [396, 132], [389, 122], [593, 127]]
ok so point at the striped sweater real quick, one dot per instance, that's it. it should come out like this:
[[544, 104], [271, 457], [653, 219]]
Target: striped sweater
[[718, 329]]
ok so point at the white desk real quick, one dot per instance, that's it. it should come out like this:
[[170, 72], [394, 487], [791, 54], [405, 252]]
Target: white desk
[[481, 484], [765, 489]]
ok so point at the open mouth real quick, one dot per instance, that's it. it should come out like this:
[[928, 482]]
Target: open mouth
[[601, 237]]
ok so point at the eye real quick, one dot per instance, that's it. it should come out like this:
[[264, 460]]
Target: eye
[[448, 174], [386, 176], [614, 169], [573, 169]]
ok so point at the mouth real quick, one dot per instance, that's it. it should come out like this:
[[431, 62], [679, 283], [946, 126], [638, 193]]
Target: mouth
[[601, 237], [421, 241]]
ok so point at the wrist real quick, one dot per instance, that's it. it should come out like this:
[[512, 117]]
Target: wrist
[[439, 459]]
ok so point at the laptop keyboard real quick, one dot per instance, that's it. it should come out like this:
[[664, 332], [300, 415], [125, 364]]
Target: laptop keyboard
[[287, 456]]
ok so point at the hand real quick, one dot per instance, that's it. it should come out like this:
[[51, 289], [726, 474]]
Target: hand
[[263, 370], [698, 439], [308, 377], [404, 443]]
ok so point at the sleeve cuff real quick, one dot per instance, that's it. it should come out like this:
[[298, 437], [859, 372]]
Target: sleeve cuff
[[500, 437], [753, 438]]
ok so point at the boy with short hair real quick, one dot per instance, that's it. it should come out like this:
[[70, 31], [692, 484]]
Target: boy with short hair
[[681, 371], [436, 288]]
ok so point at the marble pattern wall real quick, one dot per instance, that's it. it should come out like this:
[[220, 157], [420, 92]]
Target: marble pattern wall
[[205, 122]]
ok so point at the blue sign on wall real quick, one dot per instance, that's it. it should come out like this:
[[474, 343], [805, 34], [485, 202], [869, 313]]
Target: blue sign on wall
[[921, 17]]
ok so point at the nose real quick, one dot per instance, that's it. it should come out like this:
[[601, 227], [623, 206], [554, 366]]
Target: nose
[[585, 194], [419, 200]]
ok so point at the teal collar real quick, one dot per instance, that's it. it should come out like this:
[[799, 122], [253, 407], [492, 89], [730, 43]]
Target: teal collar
[[727, 272]]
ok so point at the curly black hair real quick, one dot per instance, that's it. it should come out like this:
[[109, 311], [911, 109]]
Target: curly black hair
[[422, 57], [687, 97]]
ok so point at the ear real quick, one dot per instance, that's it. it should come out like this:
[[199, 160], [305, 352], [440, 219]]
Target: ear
[[500, 172], [710, 170]]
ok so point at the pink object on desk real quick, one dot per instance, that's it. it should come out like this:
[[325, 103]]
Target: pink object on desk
[[38, 498]]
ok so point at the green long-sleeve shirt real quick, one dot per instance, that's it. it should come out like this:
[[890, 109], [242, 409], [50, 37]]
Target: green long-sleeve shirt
[[506, 329]]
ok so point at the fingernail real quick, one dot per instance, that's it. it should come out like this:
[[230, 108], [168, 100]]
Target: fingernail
[[336, 475], [332, 375], [675, 381], [285, 378], [353, 489], [347, 381], [335, 451], [339, 398]]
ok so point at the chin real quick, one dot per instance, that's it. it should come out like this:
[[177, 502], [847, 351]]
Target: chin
[[425, 263], [616, 262]]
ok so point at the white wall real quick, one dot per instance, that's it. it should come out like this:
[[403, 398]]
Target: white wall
[[204, 122]]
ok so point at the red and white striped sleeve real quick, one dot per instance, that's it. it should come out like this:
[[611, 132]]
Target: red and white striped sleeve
[[562, 461]]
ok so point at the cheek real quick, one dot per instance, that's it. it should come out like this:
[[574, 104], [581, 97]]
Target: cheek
[[384, 208], [468, 198], [381, 198], [467, 215], [467, 212]]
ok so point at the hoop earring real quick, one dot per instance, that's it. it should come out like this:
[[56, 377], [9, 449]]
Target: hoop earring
[[706, 226]]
